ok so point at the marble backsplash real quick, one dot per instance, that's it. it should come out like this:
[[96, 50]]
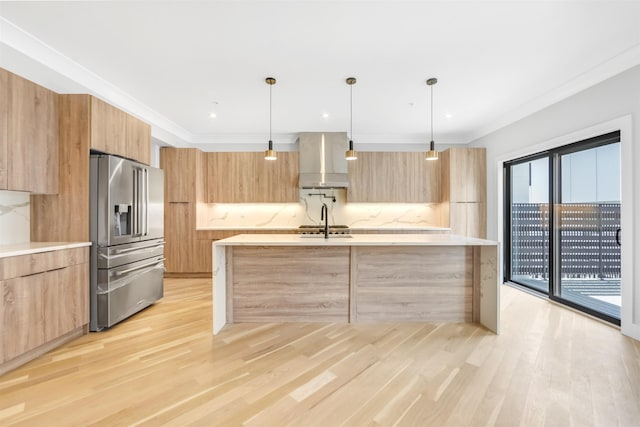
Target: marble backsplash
[[291, 215], [14, 217]]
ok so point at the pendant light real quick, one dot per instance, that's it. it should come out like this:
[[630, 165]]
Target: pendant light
[[432, 154], [270, 154], [351, 153]]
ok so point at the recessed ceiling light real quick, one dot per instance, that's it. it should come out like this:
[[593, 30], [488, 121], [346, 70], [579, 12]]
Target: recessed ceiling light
[[448, 116], [325, 115], [213, 115]]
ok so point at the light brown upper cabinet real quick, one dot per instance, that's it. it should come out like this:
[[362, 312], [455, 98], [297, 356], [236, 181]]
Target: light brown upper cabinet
[[138, 140], [30, 136], [464, 174], [115, 132], [108, 128], [184, 174], [249, 178], [4, 121], [393, 177]]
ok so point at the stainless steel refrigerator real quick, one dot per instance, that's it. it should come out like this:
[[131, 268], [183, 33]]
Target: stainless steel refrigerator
[[127, 234]]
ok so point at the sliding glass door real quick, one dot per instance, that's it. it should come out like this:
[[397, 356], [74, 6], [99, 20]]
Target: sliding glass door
[[529, 214], [588, 228], [563, 233]]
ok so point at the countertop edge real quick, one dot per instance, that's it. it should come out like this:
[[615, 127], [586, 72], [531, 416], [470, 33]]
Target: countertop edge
[[37, 247], [355, 240], [296, 228]]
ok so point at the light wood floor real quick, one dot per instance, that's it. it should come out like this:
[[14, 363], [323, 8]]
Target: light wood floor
[[549, 367]]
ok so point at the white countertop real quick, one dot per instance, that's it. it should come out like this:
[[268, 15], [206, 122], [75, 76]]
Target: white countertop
[[36, 247], [354, 240], [354, 228]]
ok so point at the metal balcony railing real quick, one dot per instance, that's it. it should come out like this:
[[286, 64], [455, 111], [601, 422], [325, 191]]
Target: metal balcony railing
[[588, 247]]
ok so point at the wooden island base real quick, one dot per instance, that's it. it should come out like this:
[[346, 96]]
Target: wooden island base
[[423, 278]]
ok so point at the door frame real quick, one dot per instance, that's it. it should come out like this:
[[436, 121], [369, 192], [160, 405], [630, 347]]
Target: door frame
[[630, 309]]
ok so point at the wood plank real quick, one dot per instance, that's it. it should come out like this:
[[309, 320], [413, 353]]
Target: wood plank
[[71, 223], [403, 283], [294, 284]]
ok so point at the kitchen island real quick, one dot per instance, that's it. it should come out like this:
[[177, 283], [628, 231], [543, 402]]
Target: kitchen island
[[361, 278]]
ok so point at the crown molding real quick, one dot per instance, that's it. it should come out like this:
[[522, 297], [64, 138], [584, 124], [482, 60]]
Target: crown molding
[[38, 51], [603, 71]]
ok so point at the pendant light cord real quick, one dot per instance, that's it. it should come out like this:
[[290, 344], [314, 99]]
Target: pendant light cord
[[270, 103], [351, 112], [431, 112]]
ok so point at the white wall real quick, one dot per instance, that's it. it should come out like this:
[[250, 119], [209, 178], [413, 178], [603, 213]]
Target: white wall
[[599, 109]]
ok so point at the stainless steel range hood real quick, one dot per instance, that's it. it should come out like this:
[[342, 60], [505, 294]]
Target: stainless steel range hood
[[322, 161]]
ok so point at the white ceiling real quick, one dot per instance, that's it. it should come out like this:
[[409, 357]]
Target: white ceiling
[[175, 62]]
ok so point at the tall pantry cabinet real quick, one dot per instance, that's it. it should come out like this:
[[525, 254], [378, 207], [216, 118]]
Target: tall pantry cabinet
[[185, 186]]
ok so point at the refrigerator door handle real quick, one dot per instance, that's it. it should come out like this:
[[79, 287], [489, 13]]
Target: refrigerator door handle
[[134, 205], [146, 202], [137, 248], [140, 267], [140, 201]]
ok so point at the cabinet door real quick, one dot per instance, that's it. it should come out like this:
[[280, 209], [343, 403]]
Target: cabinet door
[[467, 174], [108, 128], [66, 300], [33, 131], [138, 140], [249, 178], [4, 122], [179, 235], [393, 177], [179, 165], [232, 177], [22, 314]]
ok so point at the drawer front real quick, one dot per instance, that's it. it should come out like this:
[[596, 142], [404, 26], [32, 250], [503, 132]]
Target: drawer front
[[25, 265]]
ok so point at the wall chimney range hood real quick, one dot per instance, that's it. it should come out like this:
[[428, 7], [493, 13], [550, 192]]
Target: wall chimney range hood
[[322, 162]]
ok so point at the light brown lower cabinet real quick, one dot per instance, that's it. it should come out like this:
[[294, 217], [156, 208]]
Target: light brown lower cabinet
[[42, 306]]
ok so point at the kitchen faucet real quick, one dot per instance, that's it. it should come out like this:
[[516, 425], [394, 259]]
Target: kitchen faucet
[[324, 215]]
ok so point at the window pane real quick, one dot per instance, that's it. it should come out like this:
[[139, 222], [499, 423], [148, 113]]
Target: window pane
[[530, 224], [588, 222]]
